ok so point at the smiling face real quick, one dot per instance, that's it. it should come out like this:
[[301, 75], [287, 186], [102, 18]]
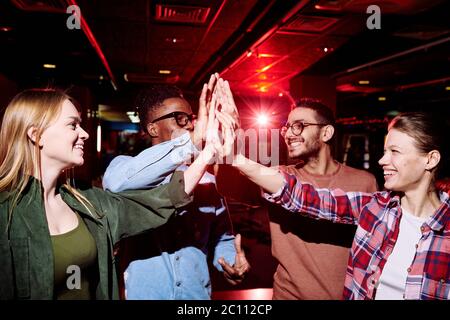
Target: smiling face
[[308, 143], [167, 129], [62, 143], [404, 166]]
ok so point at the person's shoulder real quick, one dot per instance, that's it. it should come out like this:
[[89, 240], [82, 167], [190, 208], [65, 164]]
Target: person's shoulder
[[291, 168], [32, 184], [4, 195], [88, 190], [363, 174], [83, 185], [118, 160], [364, 180]]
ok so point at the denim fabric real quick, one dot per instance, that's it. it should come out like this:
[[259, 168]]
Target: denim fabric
[[177, 268]]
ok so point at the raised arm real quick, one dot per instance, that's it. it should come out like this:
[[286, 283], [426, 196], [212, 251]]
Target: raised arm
[[294, 196], [335, 205], [269, 179], [131, 212], [150, 167], [153, 165]]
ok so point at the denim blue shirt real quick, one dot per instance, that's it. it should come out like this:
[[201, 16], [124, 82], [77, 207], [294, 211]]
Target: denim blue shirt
[[177, 267]]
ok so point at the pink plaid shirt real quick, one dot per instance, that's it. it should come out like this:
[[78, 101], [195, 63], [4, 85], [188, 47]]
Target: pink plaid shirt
[[378, 218]]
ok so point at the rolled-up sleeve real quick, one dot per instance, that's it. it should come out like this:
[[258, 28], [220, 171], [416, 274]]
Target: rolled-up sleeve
[[334, 205], [176, 191], [149, 168]]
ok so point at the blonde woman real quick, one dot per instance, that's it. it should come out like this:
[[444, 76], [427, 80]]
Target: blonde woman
[[56, 241]]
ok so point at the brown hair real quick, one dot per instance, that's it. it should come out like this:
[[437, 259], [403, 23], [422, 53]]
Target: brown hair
[[324, 113], [428, 132]]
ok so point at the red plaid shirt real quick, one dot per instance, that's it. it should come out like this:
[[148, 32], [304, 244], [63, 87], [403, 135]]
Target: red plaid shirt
[[378, 218]]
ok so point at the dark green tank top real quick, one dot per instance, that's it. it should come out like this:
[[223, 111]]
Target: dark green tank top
[[75, 255]]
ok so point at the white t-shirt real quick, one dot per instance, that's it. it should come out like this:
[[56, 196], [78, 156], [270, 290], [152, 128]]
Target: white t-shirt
[[393, 278]]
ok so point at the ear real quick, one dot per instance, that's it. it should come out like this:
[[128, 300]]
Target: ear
[[327, 133], [433, 159], [33, 136], [152, 130]]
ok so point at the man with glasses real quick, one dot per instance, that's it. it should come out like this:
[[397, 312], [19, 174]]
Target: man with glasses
[[171, 262], [312, 254]]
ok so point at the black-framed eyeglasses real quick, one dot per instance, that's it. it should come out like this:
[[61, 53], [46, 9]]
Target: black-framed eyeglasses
[[298, 126], [182, 118]]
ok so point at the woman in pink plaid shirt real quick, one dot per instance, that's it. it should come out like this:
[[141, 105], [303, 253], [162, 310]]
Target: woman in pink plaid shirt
[[401, 249]]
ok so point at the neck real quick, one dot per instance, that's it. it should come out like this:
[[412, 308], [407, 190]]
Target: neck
[[421, 202], [49, 179], [322, 163], [155, 141]]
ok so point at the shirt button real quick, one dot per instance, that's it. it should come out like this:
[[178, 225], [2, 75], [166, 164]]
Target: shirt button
[[409, 270], [178, 283], [422, 228], [417, 246], [177, 258]]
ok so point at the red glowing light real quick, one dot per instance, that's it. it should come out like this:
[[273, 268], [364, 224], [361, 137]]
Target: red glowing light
[[262, 120]]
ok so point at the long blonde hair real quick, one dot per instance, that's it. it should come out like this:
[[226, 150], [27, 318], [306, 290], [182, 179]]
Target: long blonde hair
[[19, 155]]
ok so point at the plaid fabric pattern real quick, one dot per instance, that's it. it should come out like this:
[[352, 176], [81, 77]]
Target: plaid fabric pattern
[[377, 216]]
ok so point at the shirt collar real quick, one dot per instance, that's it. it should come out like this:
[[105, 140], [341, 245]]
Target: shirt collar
[[442, 215], [436, 222]]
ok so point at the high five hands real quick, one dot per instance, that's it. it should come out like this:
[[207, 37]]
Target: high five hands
[[198, 136], [218, 119]]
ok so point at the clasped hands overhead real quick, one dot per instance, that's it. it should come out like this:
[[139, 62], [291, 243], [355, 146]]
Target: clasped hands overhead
[[217, 122]]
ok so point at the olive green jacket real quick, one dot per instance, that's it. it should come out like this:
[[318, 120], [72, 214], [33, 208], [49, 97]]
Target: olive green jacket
[[26, 253]]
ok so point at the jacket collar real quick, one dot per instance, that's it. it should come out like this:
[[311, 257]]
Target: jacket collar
[[76, 205], [32, 195], [4, 196]]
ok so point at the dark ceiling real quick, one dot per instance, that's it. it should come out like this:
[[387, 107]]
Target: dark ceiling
[[258, 45]]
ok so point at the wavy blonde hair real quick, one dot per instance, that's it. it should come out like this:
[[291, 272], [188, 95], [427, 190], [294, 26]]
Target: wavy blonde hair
[[19, 155]]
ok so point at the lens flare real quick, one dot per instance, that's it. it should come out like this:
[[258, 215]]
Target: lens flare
[[262, 120]]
